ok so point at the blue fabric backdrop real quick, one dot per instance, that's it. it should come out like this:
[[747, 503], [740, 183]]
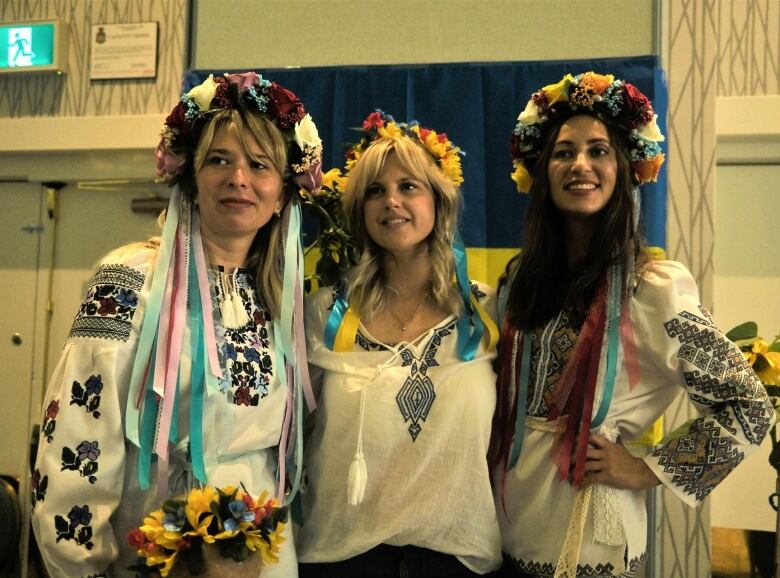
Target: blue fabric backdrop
[[477, 106]]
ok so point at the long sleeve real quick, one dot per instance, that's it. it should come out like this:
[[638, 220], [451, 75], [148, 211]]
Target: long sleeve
[[677, 335], [80, 468]]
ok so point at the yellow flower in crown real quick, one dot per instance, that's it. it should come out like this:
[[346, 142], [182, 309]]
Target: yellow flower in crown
[[333, 180], [390, 130], [379, 125], [559, 91]]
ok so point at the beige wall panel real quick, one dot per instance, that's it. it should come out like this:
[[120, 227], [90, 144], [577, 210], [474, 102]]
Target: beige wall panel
[[277, 33]]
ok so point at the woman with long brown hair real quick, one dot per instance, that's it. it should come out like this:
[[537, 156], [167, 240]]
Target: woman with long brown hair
[[597, 340]]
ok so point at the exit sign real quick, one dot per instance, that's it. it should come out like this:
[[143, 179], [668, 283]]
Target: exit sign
[[32, 47]]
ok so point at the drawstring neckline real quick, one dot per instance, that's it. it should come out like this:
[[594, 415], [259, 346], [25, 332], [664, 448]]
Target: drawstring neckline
[[357, 479], [231, 306]]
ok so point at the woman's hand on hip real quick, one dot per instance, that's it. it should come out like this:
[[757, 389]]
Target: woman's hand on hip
[[612, 464]]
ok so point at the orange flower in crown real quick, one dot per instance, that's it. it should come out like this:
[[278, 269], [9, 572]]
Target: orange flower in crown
[[615, 100]]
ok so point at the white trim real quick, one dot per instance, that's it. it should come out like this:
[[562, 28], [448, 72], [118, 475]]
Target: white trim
[[747, 129], [747, 116], [80, 133]]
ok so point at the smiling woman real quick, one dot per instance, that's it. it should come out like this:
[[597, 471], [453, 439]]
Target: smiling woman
[[239, 187], [397, 462], [176, 347], [597, 340]]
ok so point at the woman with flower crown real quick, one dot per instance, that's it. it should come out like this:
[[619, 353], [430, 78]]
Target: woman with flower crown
[[398, 481], [597, 340], [185, 364]]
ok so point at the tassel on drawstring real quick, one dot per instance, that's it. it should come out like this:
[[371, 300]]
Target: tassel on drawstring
[[357, 480], [231, 306]]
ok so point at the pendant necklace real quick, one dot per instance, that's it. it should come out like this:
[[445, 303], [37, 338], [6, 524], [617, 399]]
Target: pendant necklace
[[405, 324]]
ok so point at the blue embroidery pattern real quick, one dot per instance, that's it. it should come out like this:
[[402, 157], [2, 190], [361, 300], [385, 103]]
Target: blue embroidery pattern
[[83, 460], [108, 309], [416, 396], [88, 395], [39, 487], [245, 352], [68, 528]]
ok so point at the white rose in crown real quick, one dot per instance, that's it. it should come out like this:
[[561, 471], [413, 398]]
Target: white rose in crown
[[531, 114], [651, 131], [306, 134], [204, 93]]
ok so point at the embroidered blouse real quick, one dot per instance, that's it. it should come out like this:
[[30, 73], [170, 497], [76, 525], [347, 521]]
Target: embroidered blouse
[[425, 434], [85, 490], [678, 347]]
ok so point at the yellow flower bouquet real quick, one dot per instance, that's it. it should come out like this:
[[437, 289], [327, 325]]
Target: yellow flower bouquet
[[228, 520]]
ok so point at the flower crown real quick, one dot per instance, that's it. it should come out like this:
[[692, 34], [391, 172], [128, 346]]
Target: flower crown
[[379, 125], [250, 91], [617, 100]]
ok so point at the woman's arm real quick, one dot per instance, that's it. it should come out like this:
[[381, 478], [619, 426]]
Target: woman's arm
[[688, 349], [80, 466]]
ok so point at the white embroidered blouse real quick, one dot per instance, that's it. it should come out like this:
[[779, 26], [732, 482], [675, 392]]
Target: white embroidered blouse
[[85, 489], [679, 349], [425, 431]]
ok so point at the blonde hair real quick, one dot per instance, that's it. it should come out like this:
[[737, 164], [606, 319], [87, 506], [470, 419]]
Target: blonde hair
[[366, 291], [266, 253]]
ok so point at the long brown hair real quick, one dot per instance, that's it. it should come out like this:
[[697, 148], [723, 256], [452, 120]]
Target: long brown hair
[[542, 282]]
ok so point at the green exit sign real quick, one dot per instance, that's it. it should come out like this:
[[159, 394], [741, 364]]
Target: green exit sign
[[32, 47]]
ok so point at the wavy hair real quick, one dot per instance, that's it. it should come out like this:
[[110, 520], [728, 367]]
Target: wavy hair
[[543, 283], [366, 290], [266, 253]]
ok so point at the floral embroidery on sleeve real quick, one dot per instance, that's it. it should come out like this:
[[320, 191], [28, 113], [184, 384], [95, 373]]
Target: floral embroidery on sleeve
[[83, 460], [39, 486], [50, 420], [108, 309], [88, 395], [68, 528]]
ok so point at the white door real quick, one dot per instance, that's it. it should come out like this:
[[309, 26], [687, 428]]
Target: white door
[[21, 280]]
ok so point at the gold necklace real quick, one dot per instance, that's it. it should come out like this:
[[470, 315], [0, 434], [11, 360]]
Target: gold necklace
[[405, 324]]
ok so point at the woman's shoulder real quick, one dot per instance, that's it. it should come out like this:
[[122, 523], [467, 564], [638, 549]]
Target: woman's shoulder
[[665, 288], [662, 275], [319, 304], [482, 291], [139, 256]]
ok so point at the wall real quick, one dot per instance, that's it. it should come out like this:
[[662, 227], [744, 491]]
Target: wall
[[713, 51], [278, 33]]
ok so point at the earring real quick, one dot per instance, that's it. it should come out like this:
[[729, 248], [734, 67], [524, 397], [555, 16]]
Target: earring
[[278, 211]]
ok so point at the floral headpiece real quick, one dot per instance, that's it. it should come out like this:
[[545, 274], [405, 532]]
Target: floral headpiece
[[251, 91], [617, 100], [379, 125]]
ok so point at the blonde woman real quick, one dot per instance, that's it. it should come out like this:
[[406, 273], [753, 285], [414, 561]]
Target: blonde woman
[[398, 476], [172, 375]]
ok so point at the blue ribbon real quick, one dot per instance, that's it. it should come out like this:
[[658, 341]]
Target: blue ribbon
[[335, 318], [522, 400], [470, 326], [613, 342], [147, 428], [199, 371]]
